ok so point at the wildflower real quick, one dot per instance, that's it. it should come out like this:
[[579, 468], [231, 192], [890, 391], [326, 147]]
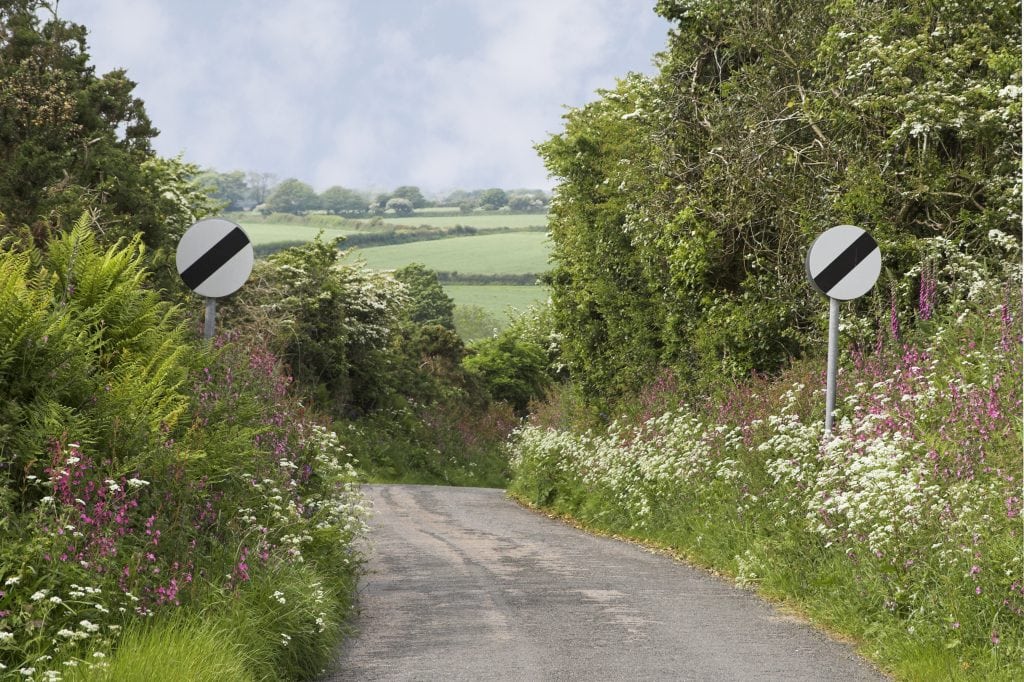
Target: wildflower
[[279, 596], [65, 633], [6, 636], [89, 627], [56, 600], [41, 594], [13, 580]]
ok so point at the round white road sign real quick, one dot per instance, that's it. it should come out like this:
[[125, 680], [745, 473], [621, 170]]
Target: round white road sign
[[844, 262], [214, 257]]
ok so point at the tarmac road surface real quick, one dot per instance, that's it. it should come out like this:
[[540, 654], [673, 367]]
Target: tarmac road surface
[[464, 584]]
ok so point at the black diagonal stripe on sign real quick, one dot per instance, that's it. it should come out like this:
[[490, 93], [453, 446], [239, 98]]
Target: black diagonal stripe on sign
[[845, 262], [212, 261]]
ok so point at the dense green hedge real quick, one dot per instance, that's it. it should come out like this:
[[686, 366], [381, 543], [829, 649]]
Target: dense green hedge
[[144, 473], [686, 201]]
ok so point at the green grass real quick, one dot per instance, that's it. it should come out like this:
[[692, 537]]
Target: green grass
[[926, 584], [175, 649], [239, 636], [496, 299], [505, 253], [483, 221], [268, 233]]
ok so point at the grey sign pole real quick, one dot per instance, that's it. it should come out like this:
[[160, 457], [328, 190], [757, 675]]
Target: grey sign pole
[[210, 321], [833, 358], [214, 259], [843, 263]]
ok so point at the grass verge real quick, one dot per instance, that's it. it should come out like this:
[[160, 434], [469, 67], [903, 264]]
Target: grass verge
[[902, 531]]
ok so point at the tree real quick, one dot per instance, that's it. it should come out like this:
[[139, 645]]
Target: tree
[[330, 321], [461, 196], [686, 200], [524, 202], [231, 188], [428, 302], [493, 199], [512, 368], [399, 205], [260, 185], [342, 201], [412, 194], [293, 196], [69, 139]]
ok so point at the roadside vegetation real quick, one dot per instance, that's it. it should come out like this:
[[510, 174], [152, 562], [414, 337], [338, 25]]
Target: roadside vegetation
[[178, 509], [170, 507], [154, 484], [694, 345], [902, 530]]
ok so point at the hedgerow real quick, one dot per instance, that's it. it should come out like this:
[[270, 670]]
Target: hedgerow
[[143, 473]]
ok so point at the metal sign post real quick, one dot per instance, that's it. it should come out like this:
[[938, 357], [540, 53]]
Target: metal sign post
[[833, 359], [214, 259], [210, 321], [843, 263]]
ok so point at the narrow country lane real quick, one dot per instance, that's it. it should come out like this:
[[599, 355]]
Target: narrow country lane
[[463, 584]]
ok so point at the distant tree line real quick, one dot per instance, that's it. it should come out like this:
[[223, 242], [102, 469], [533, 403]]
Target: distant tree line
[[242, 191], [523, 279]]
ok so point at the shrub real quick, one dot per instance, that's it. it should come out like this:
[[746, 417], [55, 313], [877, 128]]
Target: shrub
[[902, 529], [145, 472]]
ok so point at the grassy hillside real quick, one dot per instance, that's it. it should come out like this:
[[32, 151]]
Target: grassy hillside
[[497, 298], [269, 233], [504, 253], [483, 221]]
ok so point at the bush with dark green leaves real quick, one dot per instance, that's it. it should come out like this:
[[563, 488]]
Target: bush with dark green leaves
[[144, 472], [511, 367], [686, 201]]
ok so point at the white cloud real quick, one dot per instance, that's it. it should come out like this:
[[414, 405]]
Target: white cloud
[[438, 93]]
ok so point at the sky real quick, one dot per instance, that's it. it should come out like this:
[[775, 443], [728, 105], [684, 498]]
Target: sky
[[369, 94]]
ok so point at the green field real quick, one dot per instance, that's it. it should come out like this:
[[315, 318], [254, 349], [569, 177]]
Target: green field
[[268, 233], [483, 221], [496, 299], [504, 253]]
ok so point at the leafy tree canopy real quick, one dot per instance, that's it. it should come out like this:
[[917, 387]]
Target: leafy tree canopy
[[343, 201], [231, 188], [493, 198], [411, 194], [72, 141], [293, 196], [687, 200], [399, 205], [428, 302]]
